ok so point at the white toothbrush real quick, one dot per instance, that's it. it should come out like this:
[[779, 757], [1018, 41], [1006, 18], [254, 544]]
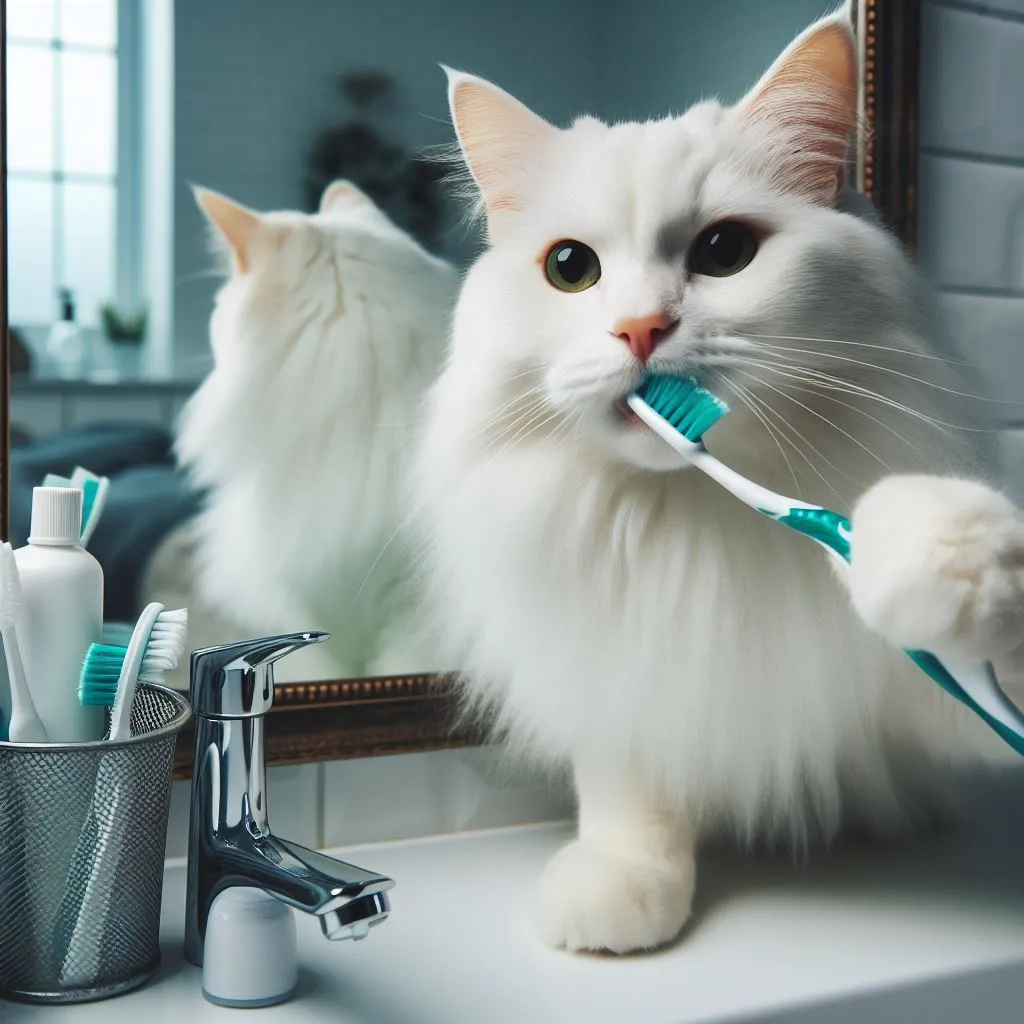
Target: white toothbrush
[[89, 888], [24, 726]]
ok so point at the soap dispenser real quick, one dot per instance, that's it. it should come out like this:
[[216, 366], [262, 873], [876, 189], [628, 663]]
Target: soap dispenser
[[66, 343]]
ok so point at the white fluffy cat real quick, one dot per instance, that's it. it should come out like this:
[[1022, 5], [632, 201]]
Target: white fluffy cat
[[325, 336], [698, 667]]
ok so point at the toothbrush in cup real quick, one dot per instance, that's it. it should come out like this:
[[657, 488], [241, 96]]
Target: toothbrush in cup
[[110, 676], [24, 725], [95, 490], [679, 411], [111, 672]]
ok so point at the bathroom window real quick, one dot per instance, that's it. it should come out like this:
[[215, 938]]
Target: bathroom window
[[69, 135]]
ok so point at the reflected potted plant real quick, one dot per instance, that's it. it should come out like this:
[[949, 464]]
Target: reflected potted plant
[[405, 186], [124, 327]]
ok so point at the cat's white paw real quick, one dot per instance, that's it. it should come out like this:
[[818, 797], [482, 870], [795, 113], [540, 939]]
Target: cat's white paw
[[938, 563], [595, 900]]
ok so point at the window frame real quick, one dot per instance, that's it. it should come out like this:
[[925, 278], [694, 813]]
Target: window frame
[[125, 288]]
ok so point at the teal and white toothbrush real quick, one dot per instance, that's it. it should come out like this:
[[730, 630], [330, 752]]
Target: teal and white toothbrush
[[679, 411], [95, 490]]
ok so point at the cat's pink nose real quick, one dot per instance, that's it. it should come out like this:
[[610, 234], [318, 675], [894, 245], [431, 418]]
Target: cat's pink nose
[[643, 334]]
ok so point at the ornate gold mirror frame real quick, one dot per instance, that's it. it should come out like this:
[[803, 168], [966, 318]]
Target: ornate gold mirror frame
[[364, 717]]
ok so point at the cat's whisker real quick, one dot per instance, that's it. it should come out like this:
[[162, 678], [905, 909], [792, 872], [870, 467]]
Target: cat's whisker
[[522, 417], [566, 425], [742, 394], [806, 441], [512, 409], [511, 377], [849, 387], [417, 508], [888, 369], [785, 427], [859, 344], [831, 423], [538, 420], [822, 392], [829, 380]]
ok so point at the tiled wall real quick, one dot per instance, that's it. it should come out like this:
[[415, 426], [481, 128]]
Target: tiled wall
[[972, 183], [374, 799]]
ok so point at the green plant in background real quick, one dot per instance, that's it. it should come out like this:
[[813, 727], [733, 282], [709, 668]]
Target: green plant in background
[[405, 186], [126, 328]]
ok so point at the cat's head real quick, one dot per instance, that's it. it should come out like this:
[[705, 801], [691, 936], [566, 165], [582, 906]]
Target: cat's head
[[711, 243], [341, 289]]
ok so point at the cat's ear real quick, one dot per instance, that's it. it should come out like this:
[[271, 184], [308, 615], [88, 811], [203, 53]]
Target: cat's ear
[[340, 194], [806, 104], [236, 224], [500, 138]]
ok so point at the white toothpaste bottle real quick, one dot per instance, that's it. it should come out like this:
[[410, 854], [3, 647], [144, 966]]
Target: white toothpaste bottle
[[62, 614]]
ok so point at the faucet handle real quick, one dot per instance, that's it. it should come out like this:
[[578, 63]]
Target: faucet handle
[[237, 680]]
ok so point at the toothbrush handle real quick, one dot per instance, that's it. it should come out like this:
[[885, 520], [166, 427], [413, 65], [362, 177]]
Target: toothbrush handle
[[25, 725], [981, 694], [974, 685], [757, 497], [121, 712]]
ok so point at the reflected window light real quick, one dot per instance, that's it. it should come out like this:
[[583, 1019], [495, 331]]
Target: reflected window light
[[62, 138]]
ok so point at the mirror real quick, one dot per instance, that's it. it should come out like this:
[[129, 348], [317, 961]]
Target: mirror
[[280, 167]]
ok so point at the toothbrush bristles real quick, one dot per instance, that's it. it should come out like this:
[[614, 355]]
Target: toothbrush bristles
[[103, 663], [682, 402]]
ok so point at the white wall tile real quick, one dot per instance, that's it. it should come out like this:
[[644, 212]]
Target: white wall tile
[[972, 81], [990, 333], [488, 793], [377, 798], [971, 223], [1013, 463], [293, 800], [373, 799]]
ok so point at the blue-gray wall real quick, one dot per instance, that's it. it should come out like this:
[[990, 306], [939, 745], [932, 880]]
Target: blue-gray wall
[[661, 56]]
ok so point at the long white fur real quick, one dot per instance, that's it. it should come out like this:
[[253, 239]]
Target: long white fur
[[325, 335], [697, 667]]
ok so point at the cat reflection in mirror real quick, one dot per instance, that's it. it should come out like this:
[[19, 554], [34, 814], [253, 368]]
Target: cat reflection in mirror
[[699, 669], [325, 335]]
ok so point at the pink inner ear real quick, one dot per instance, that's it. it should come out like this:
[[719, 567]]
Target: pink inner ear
[[500, 139], [236, 223], [807, 106]]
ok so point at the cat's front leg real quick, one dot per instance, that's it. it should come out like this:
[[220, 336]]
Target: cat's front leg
[[626, 882], [938, 564]]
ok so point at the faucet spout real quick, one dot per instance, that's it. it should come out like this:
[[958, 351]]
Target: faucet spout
[[230, 841], [348, 900]]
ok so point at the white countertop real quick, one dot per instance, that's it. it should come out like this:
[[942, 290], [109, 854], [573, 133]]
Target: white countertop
[[931, 930]]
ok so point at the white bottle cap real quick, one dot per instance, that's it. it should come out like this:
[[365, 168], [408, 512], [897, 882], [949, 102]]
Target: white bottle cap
[[56, 516]]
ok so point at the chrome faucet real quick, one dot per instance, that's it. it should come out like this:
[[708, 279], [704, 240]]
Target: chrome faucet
[[229, 837]]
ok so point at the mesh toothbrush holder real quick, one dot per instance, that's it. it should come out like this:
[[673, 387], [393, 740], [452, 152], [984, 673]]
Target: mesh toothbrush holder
[[82, 834]]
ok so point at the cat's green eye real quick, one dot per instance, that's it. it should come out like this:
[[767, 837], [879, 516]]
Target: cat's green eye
[[722, 249], [572, 266]]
